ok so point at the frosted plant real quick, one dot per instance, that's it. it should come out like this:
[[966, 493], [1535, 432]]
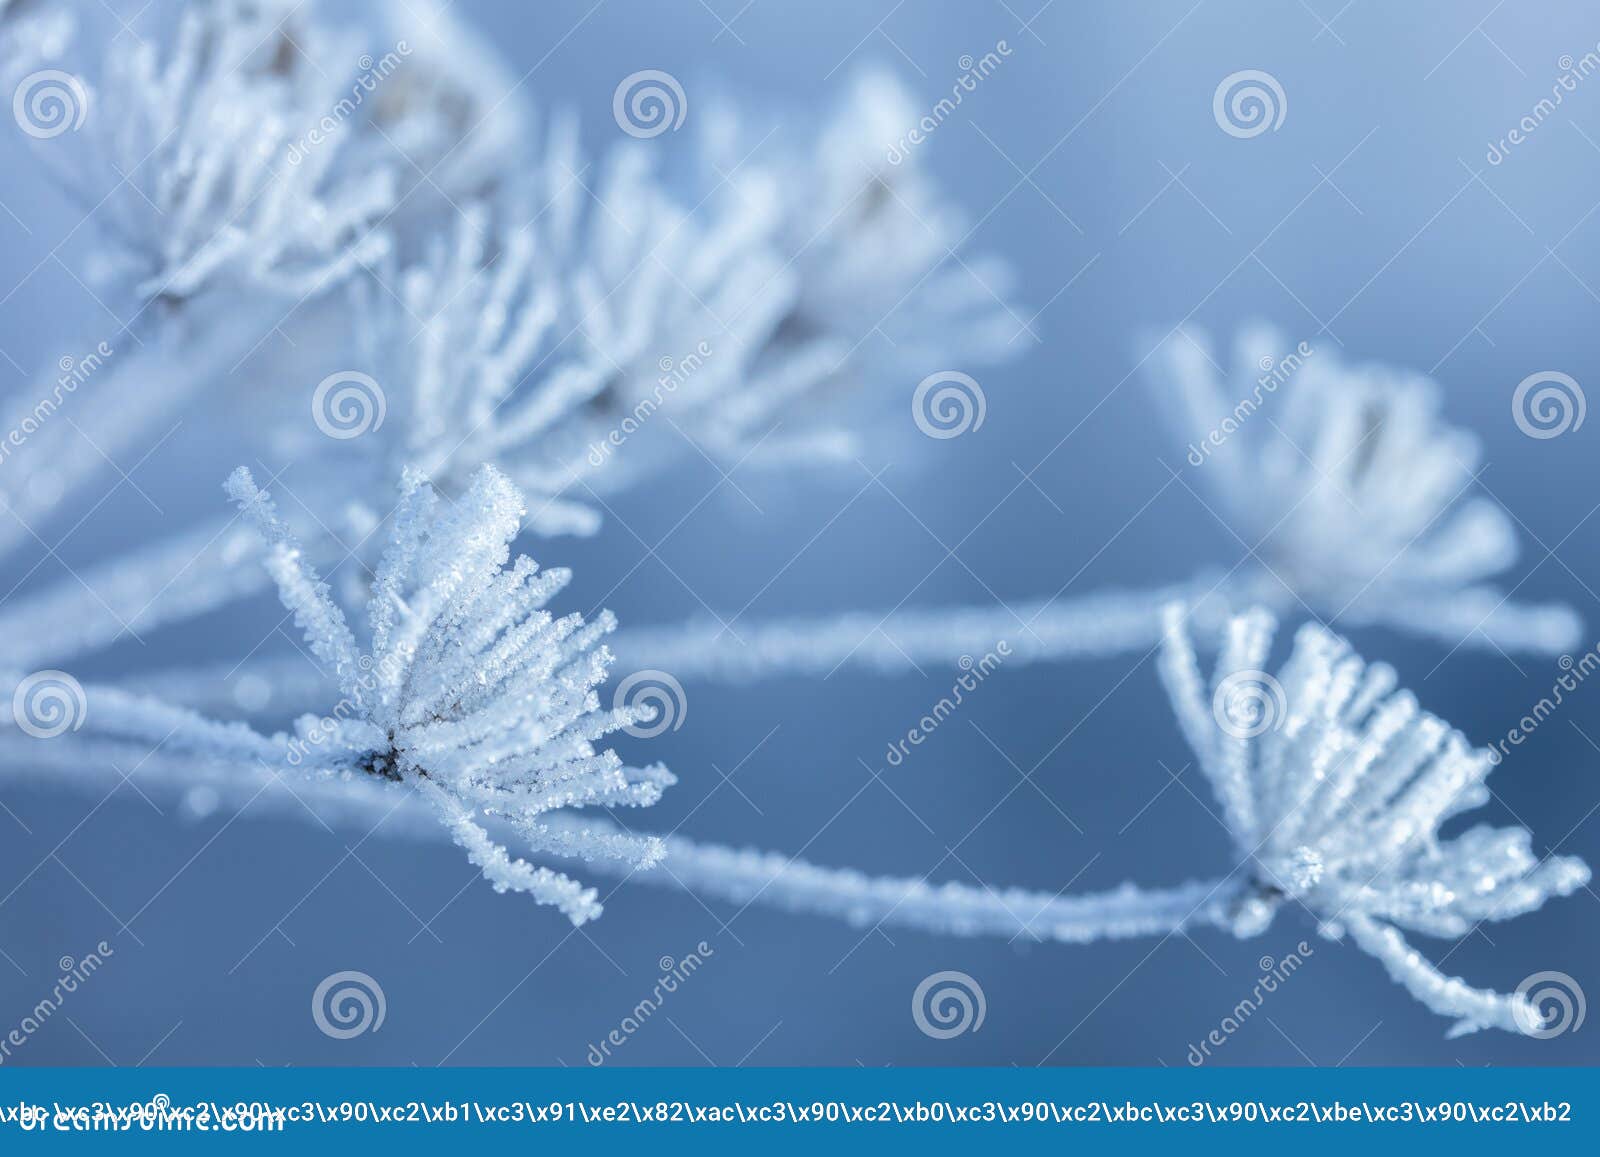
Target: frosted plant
[[530, 317], [1353, 491], [210, 233], [869, 241], [471, 694], [1348, 488], [1333, 785], [210, 133], [612, 333]]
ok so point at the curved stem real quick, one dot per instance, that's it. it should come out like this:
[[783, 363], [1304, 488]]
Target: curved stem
[[746, 876], [173, 579], [1108, 623]]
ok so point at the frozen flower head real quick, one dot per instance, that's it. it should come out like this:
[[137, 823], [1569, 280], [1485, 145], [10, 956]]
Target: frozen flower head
[[578, 369], [1351, 488], [1334, 785], [873, 243], [470, 691], [223, 136], [877, 287]]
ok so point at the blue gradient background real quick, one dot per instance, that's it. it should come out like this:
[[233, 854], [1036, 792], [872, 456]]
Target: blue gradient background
[[1416, 252]]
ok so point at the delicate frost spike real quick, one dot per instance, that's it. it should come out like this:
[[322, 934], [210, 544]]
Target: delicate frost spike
[[1335, 785], [1353, 485], [304, 593]]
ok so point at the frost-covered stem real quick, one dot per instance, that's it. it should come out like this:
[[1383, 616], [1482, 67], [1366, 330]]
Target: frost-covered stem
[[1110, 623], [179, 356], [1482, 617], [746, 876], [169, 581], [288, 685], [1476, 1008]]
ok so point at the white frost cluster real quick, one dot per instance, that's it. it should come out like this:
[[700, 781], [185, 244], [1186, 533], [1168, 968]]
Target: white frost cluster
[[1353, 490], [1334, 786], [203, 132], [471, 691]]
